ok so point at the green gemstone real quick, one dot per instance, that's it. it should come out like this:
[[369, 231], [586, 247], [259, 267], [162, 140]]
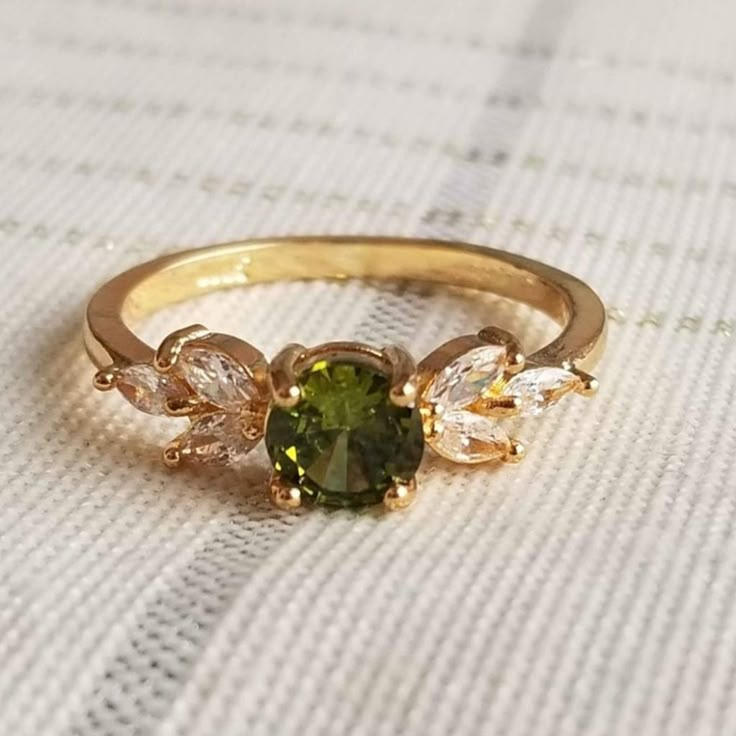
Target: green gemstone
[[345, 441]]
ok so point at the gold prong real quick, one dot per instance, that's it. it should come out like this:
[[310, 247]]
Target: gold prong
[[430, 416], [400, 495], [252, 432], [253, 421], [588, 385], [170, 349], [106, 379], [282, 379], [172, 454], [515, 359], [516, 452], [181, 406], [286, 496], [404, 379], [515, 362], [499, 407]]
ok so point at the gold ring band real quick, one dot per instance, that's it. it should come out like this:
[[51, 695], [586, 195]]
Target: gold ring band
[[362, 405]]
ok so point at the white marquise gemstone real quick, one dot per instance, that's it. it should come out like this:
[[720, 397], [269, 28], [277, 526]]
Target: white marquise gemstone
[[465, 437], [540, 388], [467, 378], [147, 389], [217, 378], [215, 439]]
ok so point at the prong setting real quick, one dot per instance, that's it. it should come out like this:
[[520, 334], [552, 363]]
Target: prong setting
[[170, 349], [498, 407], [515, 359], [404, 378], [282, 377], [345, 424], [182, 407], [457, 396], [516, 452], [105, 379], [284, 495], [171, 454], [348, 436], [588, 386], [400, 495], [471, 383], [252, 432]]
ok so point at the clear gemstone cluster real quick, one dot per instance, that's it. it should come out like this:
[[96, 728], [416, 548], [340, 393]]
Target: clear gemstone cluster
[[341, 435], [222, 398], [456, 429], [458, 404]]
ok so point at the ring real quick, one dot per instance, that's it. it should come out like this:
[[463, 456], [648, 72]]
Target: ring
[[345, 424]]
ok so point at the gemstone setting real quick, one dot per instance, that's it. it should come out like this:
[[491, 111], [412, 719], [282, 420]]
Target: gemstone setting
[[216, 378], [467, 437], [475, 382], [469, 377], [227, 408], [344, 443], [455, 427], [345, 424], [147, 390], [539, 389], [215, 439]]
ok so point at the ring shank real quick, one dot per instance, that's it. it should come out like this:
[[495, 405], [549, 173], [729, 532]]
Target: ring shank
[[170, 279]]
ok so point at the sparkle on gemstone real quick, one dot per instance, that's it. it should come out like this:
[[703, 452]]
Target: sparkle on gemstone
[[217, 378], [540, 388], [215, 439], [467, 378], [345, 442], [466, 437], [147, 389]]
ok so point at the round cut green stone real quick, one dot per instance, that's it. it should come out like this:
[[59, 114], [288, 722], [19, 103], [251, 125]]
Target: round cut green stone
[[345, 442]]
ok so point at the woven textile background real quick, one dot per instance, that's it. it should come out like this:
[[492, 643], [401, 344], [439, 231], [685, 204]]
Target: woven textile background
[[590, 590]]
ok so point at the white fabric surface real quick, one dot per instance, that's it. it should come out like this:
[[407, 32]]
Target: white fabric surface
[[591, 590]]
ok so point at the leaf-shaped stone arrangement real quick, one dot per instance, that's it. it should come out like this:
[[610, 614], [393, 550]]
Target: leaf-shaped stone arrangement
[[463, 403], [148, 390], [232, 412], [452, 429], [225, 399], [539, 389]]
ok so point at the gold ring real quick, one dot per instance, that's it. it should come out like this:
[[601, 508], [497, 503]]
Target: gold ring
[[345, 424]]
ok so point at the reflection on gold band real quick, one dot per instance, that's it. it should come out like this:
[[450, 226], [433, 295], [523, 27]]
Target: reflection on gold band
[[174, 278]]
